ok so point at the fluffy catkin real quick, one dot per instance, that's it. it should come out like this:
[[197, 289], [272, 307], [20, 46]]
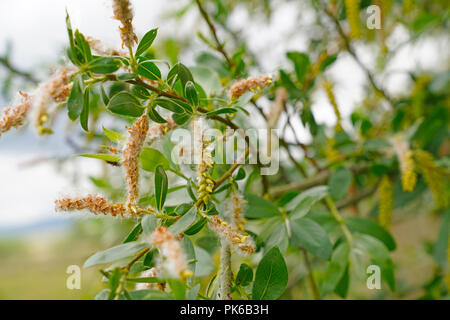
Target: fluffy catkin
[[386, 198], [150, 273], [13, 117], [406, 159], [328, 86], [94, 203], [137, 134], [157, 130], [57, 89], [434, 176], [173, 257], [352, 10], [243, 244], [252, 84], [236, 210], [123, 13], [101, 49]]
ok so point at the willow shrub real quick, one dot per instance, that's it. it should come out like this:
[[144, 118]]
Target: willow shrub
[[231, 231]]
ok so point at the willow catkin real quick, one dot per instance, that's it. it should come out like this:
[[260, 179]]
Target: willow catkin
[[150, 273], [352, 10], [202, 154], [243, 244], [137, 134], [407, 168], [123, 13], [328, 86], [96, 204], [57, 89], [173, 257], [434, 176], [13, 117], [251, 84], [158, 130], [236, 210], [386, 202], [101, 49]]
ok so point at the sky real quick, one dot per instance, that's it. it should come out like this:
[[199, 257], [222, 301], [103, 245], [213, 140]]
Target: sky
[[37, 32]]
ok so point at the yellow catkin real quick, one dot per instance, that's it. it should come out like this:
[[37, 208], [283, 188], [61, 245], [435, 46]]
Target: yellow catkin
[[123, 13], [243, 244], [331, 153], [352, 10], [386, 202], [434, 176], [328, 86], [409, 176], [96, 204], [137, 135], [174, 259], [251, 84], [14, 117], [406, 159], [202, 147]]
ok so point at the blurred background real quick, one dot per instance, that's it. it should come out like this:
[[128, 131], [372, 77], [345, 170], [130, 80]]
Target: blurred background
[[37, 245]]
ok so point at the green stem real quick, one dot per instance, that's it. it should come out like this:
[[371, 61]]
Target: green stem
[[335, 213]]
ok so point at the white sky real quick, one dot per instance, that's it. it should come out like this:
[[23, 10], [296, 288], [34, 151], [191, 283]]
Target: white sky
[[37, 31]]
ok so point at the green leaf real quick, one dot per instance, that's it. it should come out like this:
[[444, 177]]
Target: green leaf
[[244, 276], [184, 222], [271, 276], [151, 158], [335, 269], [301, 64], [134, 233], [258, 207], [328, 62], [169, 104], [150, 294], [221, 111], [183, 73], [196, 227], [124, 103], [83, 46], [277, 238], [104, 65], [191, 93], [339, 182], [149, 223], [115, 253], [361, 225], [240, 175], [146, 42], [114, 136], [76, 99], [149, 70], [178, 289], [181, 118], [302, 203], [104, 96], [378, 254], [161, 186], [84, 115], [155, 116], [114, 281], [310, 235], [102, 156]]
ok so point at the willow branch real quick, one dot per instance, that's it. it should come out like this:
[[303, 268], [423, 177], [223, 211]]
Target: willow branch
[[26, 75], [220, 48]]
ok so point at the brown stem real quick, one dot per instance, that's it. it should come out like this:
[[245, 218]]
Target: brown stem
[[219, 46], [312, 282]]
